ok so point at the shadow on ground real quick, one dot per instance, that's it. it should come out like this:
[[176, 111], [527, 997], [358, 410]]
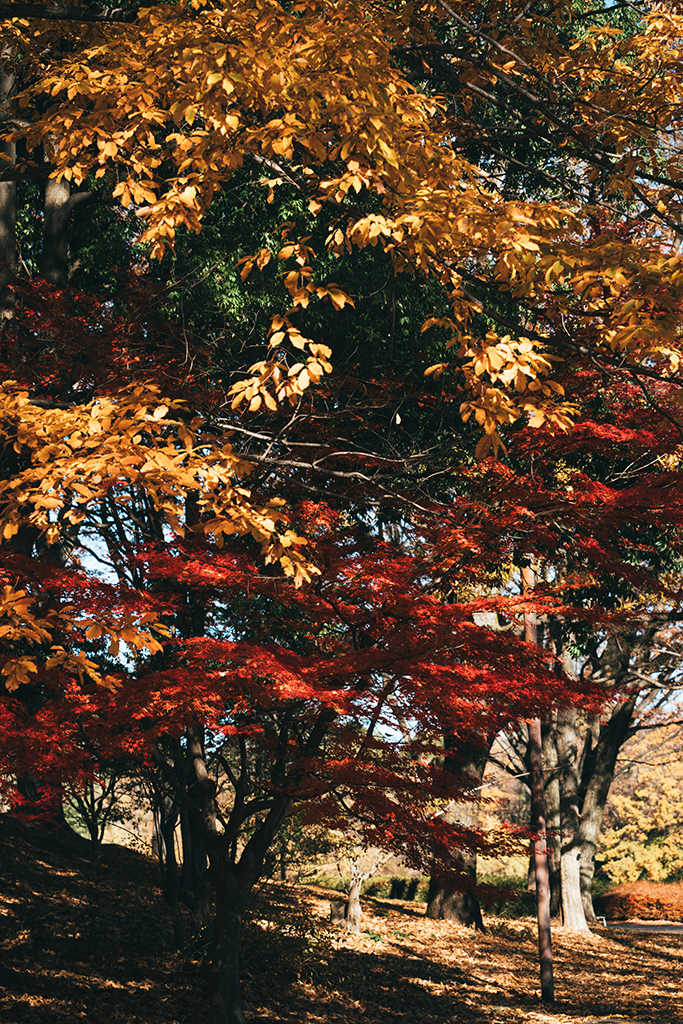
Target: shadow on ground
[[89, 937]]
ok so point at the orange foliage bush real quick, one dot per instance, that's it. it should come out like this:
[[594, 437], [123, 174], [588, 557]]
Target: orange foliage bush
[[649, 901]]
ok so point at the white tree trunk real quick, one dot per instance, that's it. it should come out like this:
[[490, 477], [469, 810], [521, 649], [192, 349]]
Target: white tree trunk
[[353, 912]]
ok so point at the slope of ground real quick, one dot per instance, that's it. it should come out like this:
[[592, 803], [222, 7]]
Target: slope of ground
[[88, 937]]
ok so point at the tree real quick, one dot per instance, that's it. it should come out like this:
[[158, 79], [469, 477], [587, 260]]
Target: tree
[[321, 100], [292, 720], [631, 667], [465, 757], [641, 831], [198, 104]]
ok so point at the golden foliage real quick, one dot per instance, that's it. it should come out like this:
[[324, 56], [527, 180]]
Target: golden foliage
[[170, 107], [80, 454], [643, 837], [73, 459]]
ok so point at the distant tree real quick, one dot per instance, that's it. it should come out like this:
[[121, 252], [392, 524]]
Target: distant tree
[[642, 830]]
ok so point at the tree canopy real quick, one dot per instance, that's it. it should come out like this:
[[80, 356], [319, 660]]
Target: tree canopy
[[433, 342]]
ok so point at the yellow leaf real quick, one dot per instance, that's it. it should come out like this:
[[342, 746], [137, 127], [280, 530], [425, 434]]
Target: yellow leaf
[[263, 258], [339, 298], [436, 370]]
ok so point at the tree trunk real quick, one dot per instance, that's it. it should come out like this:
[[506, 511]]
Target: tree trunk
[[225, 996], [8, 189], [353, 908], [443, 904], [570, 845], [465, 759], [551, 791], [538, 821], [58, 205], [194, 876], [54, 264], [598, 775], [233, 887], [166, 812]]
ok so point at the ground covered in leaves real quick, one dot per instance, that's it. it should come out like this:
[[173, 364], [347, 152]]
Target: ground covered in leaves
[[88, 937]]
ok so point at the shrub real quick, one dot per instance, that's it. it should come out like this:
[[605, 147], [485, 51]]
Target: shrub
[[649, 901], [506, 897], [397, 887]]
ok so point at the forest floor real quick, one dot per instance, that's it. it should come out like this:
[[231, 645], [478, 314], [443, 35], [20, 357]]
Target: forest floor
[[87, 937]]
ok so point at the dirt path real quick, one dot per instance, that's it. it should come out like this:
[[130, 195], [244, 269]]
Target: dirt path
[[646, 926]]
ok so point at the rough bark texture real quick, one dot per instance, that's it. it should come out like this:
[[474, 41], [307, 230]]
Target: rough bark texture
[[599, 774], [54, 264], [465, 759], [538, 823], [224, 994], [194, 877], [190, 766], [603, 742], [567, 739], [551, 790], [58, 205], [541, 874], [166, 810], [353, 908]]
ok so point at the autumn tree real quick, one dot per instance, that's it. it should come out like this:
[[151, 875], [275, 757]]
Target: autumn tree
[[297, 719], [542, 284], [218, 102], [640, 837]]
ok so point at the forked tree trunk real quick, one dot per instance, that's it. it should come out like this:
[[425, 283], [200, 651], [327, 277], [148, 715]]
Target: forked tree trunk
[[54, 264], [599, 774], [58, 205]]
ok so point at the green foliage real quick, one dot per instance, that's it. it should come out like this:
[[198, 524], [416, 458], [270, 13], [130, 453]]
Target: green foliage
[[397, 887], [334, 882], [507, 897]]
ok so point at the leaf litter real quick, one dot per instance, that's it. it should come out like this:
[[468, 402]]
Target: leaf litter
[[88, 936]]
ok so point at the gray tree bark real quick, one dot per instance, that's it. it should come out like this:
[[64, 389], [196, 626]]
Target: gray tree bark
[[538, 819], [599, 775], [58, 205], [567, 740], [551, 791], [541, 875], [353, 907]]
